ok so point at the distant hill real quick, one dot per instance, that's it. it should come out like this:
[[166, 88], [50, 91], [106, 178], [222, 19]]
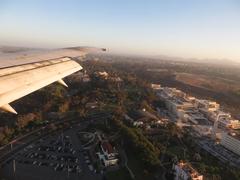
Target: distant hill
[[12, 49], [198, 60]]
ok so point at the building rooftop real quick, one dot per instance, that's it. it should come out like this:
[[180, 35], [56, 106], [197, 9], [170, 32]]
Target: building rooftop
[[107, 147], [188, 169]]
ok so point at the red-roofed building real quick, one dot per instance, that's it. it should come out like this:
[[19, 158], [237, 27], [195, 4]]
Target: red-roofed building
[[107, 147], [108, 154]]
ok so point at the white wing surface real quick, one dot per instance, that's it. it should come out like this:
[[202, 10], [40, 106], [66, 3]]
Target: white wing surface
[[38, 70]]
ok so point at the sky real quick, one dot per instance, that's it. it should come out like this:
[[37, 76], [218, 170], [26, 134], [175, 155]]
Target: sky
[[181, 28]]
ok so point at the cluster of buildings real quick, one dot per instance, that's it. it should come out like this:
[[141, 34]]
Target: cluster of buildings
[[184, 171], [80, 77], [106, 76], [205, 117], [143, 119]]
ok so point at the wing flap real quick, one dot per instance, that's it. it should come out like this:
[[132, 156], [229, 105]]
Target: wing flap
[[60, 81]]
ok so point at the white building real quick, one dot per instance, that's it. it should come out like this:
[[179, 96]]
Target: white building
[[178, 106], [102, 74], [207, 106], [137, 123], [184, 171], [228, 123], [214, 115], [156, 86], [234, 124]]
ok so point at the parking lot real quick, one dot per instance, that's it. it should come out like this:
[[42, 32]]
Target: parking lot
[[220, 152], [58, 157]]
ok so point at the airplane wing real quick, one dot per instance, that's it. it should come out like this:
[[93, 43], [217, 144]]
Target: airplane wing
[[23, 74]]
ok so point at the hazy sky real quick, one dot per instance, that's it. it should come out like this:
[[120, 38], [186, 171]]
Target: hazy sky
[[185, 28]]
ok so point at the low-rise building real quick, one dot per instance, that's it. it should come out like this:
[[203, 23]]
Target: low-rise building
[[234, 124], [102, 74], [156, 86], [92, 105], [191, 99], [107, 155], [137, 123], [178, 106], [115, 79], [184, 171], [217, 115], [228, 123], [207, 106], [86, 78], [196, 117]]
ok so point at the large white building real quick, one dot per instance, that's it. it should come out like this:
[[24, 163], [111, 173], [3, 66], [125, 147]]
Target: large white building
[[176, 101], [184, 171], [231, 141]]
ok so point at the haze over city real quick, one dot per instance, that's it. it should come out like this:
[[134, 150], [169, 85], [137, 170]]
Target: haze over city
[[188, 29]]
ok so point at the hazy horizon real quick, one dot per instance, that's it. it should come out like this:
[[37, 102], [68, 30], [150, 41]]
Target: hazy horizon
[[186, 29]]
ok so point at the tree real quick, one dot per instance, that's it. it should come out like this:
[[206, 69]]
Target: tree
[[2, 138], [140, 145], [64, 107], [23, 120]]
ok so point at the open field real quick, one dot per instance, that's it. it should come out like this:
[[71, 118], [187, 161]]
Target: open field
[[210, 83]]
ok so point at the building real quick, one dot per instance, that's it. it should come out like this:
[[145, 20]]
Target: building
[[102, 74], [178, 106], [191, 99], [86, 78], [231, 141], [198, 122], [195, 117], [115, 79], [177, 102], [217, 115], [228, 123], [223, 122], [107, 155], [206, 106], [234, 124], [92, 105], [156, 86], [184, 171], [137, 123]]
